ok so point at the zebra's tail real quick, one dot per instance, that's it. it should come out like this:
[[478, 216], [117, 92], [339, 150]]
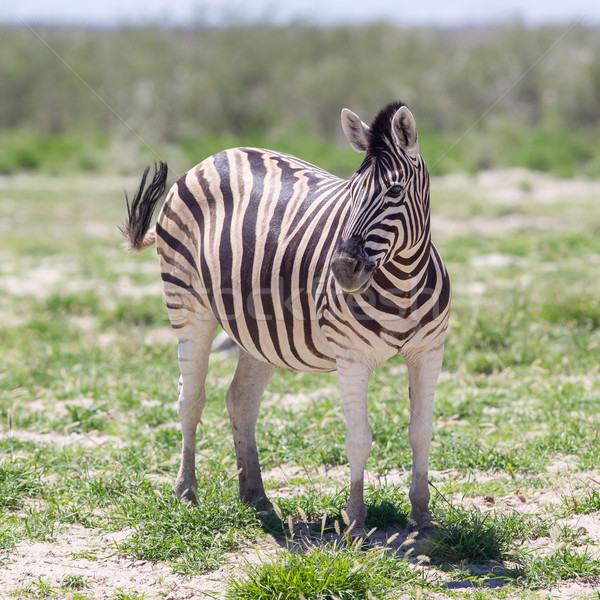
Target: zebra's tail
[[137, 232]]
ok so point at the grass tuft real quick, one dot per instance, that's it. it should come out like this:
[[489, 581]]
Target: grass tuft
[[75, 581], [585, 504], [191, 538], [341, 571], [563, 565], [18, 480], [469, 536]]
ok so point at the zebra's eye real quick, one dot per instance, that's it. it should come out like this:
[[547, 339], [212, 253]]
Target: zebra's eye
[[395, 191]]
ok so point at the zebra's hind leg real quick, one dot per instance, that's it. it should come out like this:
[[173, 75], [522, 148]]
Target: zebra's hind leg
[[423, 372], [195, 340], [353, 379], [243, 404]]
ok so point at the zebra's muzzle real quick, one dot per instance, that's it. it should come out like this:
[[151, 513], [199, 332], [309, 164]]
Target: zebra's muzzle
[[352, 267]]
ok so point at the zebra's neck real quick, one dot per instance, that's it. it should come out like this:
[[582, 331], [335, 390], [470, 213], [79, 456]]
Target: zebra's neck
[[408, 266]]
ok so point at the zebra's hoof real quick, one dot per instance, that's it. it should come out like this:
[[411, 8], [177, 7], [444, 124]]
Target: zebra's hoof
[[188, 496]]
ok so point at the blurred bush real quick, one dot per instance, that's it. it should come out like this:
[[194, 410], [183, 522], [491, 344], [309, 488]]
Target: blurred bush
[[24, 150], [525, 96]]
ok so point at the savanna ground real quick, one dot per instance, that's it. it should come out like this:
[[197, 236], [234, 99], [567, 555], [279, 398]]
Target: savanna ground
[[89, 438]]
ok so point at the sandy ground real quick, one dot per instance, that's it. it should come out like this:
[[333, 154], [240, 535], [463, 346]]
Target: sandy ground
[[82, 552]]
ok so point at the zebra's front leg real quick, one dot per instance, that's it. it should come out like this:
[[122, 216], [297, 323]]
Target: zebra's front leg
[[423, 372], [195, 340], [353, 379]]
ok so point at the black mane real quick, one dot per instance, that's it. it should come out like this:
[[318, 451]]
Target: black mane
[[380, 135]]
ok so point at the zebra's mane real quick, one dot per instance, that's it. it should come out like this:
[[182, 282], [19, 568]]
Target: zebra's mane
[[380, 134]]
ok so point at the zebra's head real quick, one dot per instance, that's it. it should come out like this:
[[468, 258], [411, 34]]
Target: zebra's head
[[389, 195]]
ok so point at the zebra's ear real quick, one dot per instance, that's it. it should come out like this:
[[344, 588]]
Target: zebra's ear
[[405, 130], [356, 131]]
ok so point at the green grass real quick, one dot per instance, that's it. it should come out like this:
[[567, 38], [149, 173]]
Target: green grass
[[191, 538], [344, 571], [38, 588], [387, 507], [18, 479], [90, 437], [564, 564], [24, 150], [76, 581], [583, 504], [470, 537]]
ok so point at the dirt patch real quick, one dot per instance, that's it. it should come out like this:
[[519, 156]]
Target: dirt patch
[[518, 186], [515, 200], [44, 280], [38, 282], [94, 557], [84, 440], [444, 227], [298, 401]]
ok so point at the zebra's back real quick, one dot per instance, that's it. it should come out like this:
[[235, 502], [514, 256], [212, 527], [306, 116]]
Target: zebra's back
[[241, 236]]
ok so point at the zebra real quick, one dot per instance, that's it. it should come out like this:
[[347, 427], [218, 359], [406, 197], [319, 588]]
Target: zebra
[[305, 271]]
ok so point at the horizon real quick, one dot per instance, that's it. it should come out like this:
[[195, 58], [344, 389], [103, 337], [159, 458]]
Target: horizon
[[192, 14], [175, 26]]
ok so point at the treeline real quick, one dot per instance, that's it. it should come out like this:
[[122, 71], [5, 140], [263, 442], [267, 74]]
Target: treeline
[[482, 97]]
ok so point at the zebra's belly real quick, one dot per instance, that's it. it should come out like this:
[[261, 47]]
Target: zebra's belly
[[276, 329], [296, 360]]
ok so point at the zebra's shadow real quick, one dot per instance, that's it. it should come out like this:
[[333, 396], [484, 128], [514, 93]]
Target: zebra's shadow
[[304, 537], [396, 539]]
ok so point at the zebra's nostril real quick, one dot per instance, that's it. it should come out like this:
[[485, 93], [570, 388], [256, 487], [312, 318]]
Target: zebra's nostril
[[358, 265], [369, 265]]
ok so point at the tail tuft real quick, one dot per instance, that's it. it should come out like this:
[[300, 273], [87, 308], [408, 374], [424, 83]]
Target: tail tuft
[[140, 210]]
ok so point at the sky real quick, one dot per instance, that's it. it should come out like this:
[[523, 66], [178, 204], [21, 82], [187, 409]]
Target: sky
[[445, 13]]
